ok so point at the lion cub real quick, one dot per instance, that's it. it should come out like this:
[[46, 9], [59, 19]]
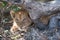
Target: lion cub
[[21, 20]]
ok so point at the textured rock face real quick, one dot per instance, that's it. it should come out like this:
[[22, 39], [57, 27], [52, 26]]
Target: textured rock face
[[54, 21], [40, 9], [41, 13], [34, 34]]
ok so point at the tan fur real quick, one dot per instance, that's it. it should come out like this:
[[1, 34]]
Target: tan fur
[[21, 20]]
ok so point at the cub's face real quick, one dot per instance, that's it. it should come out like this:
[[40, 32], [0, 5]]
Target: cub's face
[[21, 20]]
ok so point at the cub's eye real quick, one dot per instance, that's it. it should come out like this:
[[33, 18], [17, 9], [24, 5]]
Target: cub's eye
[[22, 31], [17, 19]]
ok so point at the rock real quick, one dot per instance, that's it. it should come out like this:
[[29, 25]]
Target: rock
[[54, 21], [34, 34]]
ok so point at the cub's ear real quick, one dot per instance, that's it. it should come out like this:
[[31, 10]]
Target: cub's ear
[[45, 19], [12, 13]]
